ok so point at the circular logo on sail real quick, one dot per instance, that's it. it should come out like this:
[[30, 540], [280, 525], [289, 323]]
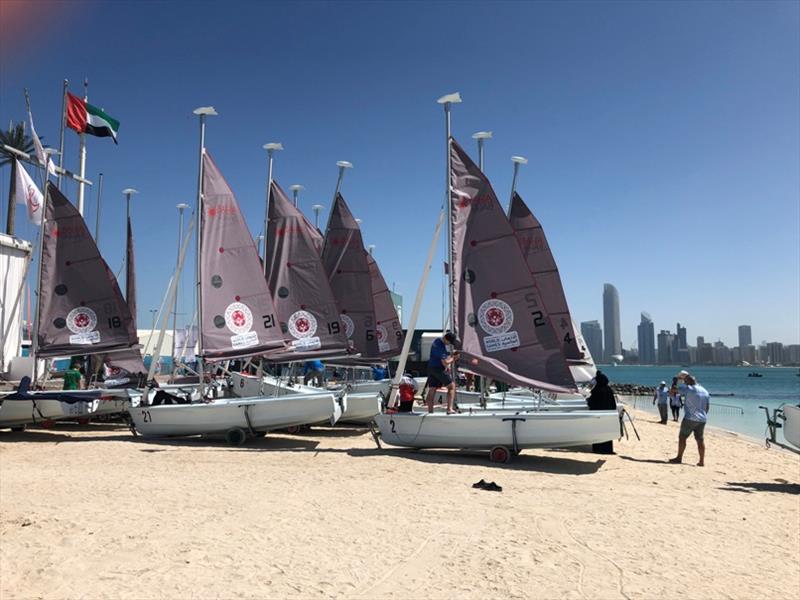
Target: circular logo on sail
[[383, 337], [238, 318], [495, 317], [81, 320], [349, 326], [302, 324]]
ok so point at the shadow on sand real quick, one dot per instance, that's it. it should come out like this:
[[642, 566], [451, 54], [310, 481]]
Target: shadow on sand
[[542, 464], [748, 487], [662, 461]]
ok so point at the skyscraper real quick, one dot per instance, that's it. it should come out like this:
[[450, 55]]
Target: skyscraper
[[647, 340], [745, 336], [613, 343], [681, 335], [593, 335], [666, 348]]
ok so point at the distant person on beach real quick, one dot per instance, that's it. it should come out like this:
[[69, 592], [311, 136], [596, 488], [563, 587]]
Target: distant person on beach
[[662, 396], [408, 387], [602, 398], [72, 377], [438, 364], [314, 370], [695, 414], [675, 402]]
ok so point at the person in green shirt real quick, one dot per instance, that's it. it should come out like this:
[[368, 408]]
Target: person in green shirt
[[72, 377]]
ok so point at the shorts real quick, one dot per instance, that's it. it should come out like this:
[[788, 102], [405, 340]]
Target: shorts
[[438, 377], [406, 406], [688, 427]]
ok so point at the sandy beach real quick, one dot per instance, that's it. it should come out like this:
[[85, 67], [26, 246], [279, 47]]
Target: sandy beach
[[92, 512]]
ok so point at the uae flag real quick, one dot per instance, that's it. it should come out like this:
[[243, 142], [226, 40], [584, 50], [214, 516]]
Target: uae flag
[[85, 118]]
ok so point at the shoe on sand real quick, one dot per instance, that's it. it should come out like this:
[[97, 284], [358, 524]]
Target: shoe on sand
[[479, 485], [492, 487], [675, 461]]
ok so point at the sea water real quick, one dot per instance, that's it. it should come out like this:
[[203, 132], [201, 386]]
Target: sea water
[[778, 385]]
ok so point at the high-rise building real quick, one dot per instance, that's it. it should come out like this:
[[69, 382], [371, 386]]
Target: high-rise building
[[748, 353], [681, 337], [666, 348], [613, 341], [792, 354], [593, 336], [775, 353], [745, 336], [705, 353], [700, 341], [647, 340], [722, 354]]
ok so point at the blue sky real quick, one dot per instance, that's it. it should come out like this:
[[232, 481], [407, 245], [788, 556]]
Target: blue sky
[[663, 138]]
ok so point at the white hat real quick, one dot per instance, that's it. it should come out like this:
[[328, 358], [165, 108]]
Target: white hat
[[663, 383]]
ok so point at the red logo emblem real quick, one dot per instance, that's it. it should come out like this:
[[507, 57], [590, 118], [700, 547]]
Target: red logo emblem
[[495, 317], [238, 318]]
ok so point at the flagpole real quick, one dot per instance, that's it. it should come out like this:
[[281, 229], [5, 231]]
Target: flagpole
[[481, 136], [97, 217], [61, 133], [517, 160], [271, 148], [202, 112], [447, 100], [128, 193], [296, 188], [181, 207], [82, 152]]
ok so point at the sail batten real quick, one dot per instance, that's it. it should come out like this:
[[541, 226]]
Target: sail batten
[[81, 308], [501, 317], [239, 317]]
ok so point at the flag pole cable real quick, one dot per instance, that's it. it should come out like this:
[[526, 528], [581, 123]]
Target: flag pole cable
[[82, 170], [517, 160], [271, 148], [61, 133], [97, 216], [202, 112]]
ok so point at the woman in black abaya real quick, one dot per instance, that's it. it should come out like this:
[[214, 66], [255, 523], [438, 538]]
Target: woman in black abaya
[[602, 398]]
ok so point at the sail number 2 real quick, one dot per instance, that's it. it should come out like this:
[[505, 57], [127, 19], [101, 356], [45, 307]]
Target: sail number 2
[[532, 302]]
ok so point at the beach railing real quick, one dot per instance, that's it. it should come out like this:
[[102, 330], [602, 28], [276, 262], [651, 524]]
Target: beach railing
[[646, 403]]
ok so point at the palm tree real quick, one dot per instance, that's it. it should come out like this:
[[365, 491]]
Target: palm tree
[[17, 138]]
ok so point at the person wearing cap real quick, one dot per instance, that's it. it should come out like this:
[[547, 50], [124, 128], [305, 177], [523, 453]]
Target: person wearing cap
[[662, 395], [695, 414], [438, 364]]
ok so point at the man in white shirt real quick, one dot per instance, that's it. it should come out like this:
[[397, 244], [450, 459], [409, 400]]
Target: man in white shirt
[[696, 405], [662, 396]]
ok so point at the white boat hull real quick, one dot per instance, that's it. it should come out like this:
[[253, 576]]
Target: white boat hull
[[791, 426], [15, 413], [487, 430], [472, 401], [361, 407], [256, 413]]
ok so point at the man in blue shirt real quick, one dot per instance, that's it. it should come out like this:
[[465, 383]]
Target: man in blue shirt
[[314, 370], [662, 395], [438, 363], [695, 407]]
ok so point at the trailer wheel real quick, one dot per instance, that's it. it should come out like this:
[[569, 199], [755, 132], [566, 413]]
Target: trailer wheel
[[499, 454], [18, 428], [236, 436], [260, 434], [294, 429]]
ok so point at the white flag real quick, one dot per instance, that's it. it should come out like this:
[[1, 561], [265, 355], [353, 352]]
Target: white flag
[[28, 194], [51, 168]]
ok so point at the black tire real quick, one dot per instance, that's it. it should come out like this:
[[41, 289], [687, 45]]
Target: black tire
[[18, 428], [236, 436]]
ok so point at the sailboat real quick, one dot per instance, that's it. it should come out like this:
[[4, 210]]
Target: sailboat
[[237, 319], [80, 311], [505, 331], [304, 303]]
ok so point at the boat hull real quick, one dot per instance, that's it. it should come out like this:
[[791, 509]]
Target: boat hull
[[362, 407], [487, 430], [791, 426], [257, 413]]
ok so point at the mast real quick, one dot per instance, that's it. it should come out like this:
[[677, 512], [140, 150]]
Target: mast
[[271, 148], [97, 216], [296, 189], [181, 207], [61, 134], [517, 160], [447, 100], [481, 136], [82, 153], [128, 193], [37, 319], [202, 112]]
